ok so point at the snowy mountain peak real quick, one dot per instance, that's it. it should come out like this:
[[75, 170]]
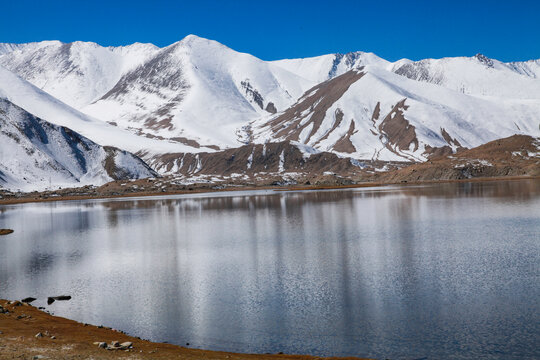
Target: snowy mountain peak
[[484, 60], [192, 38], [322, 68], [184, 90]]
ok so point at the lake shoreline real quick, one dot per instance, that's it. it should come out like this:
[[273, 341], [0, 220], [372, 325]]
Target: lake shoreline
[[37, 197], [27, 332]]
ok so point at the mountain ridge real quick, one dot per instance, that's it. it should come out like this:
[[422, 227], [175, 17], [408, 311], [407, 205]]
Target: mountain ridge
[[15, 46], [199, 96]]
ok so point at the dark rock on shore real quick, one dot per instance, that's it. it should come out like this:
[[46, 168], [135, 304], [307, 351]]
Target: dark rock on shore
[[52, 299], [5, 231]]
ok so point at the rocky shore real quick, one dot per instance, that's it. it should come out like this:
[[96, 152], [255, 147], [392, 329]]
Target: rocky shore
[[27, 332]]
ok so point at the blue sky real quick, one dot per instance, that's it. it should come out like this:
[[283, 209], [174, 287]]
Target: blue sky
[[506, 30]]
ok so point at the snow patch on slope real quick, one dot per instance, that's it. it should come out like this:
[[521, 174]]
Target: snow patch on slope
[[45, 106]]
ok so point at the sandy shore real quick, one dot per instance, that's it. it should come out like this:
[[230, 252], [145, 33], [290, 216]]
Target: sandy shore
[[67, 339]]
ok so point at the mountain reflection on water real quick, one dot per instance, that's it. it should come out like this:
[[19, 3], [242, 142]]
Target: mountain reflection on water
[[437, 271]]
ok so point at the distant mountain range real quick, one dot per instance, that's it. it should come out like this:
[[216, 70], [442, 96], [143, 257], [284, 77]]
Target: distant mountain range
[[198, 96]]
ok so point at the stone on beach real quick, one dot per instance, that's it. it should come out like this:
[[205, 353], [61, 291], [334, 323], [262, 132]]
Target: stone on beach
[[115, 345]]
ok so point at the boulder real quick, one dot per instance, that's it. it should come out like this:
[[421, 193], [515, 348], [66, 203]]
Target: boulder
[[52, 299], [115, 345]]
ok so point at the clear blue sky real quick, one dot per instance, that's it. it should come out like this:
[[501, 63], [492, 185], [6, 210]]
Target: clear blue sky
[[274, 29]]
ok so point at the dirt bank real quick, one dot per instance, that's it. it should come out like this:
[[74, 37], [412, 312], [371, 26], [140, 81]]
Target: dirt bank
[[67, 339]]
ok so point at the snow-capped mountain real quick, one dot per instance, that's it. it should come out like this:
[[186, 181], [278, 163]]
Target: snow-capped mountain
[[477, 75], [198, 95], [35, 155], [325, 67], [198, 91], [45, 106], [76, 73], [195, 91], [372, 113]]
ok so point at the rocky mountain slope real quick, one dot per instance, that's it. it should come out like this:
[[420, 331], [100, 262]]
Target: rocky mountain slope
[[371, 113], [517, 155], [35, 154], [284, 160]]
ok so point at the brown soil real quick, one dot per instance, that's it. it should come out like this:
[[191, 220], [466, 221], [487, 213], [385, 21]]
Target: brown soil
[[345, 144], [254, 159], [399, 132], [338, 118], [316, 101], [73, 340]]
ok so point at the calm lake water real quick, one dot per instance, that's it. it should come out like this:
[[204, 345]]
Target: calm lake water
[[438, 271]]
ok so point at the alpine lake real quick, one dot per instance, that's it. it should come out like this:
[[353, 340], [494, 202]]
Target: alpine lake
[[449, 270]]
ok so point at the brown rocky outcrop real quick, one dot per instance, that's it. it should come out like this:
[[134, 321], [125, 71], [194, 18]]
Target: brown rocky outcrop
[[517, 155]]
